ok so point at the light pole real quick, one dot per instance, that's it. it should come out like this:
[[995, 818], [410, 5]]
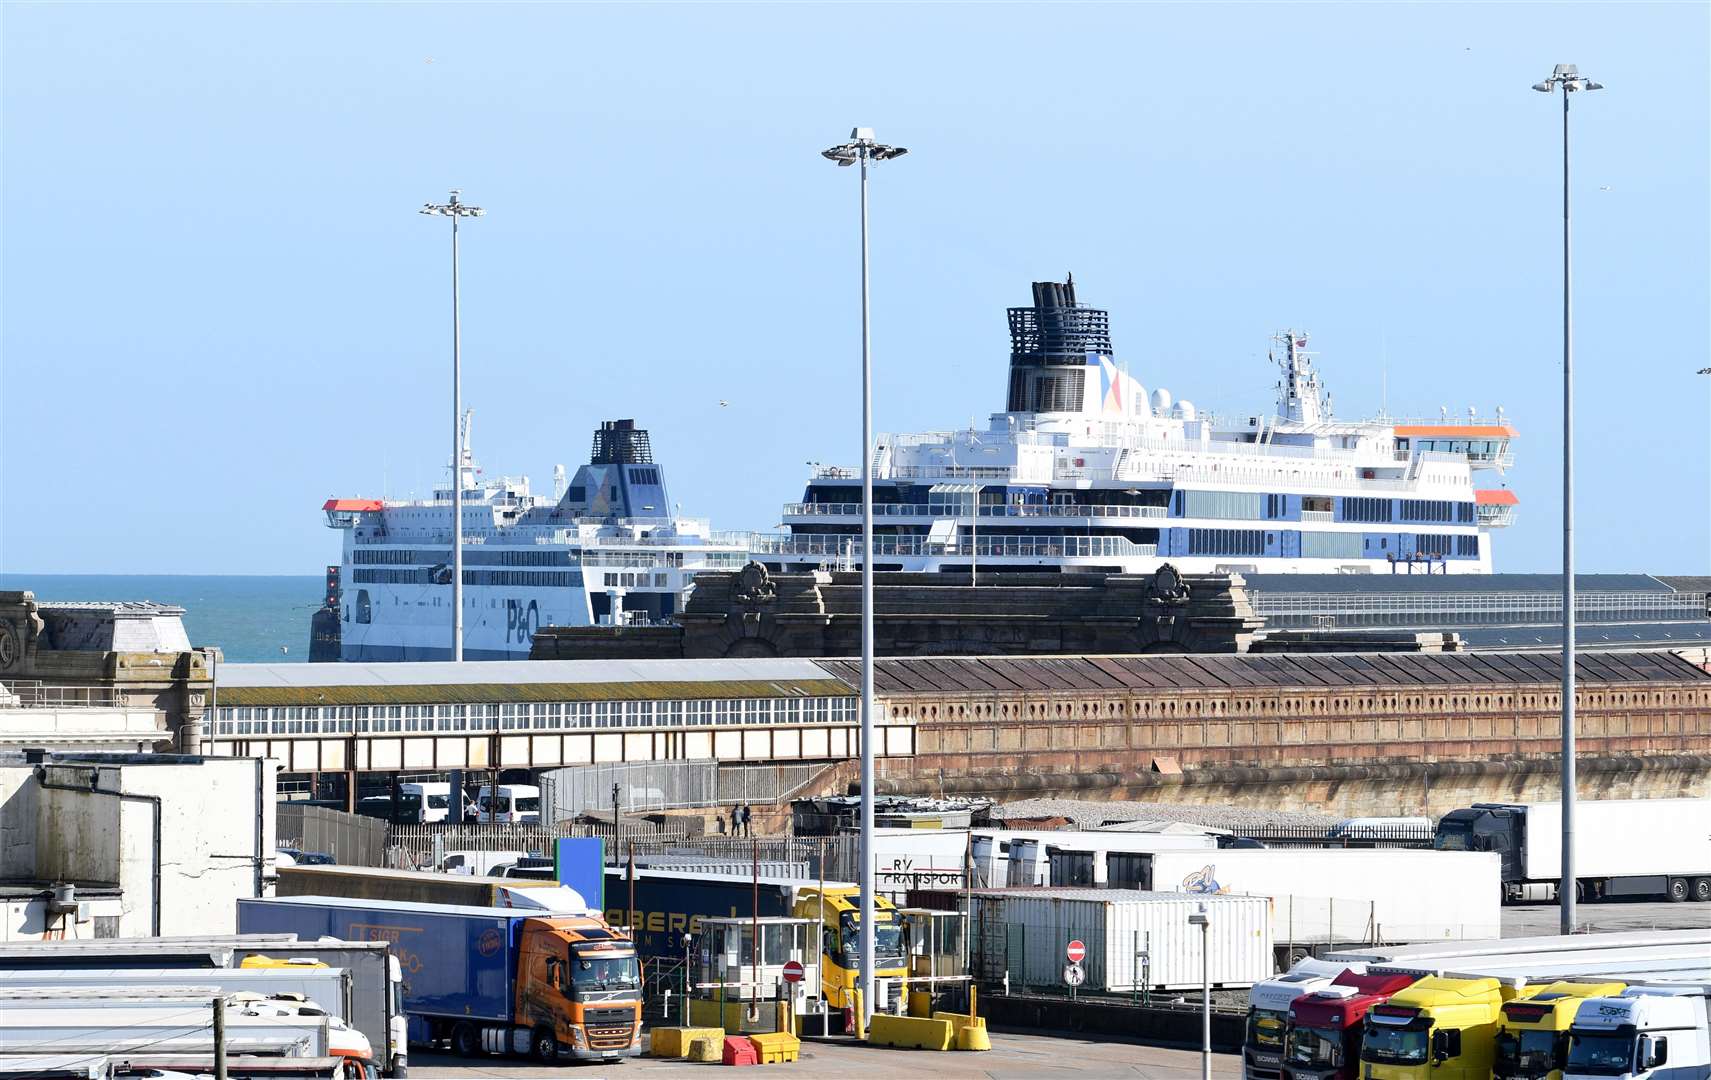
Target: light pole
[[1567, 78], [456, 209], [862, 149], [1203, 920]]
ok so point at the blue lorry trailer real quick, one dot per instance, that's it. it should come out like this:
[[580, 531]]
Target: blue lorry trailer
[[457, 961]]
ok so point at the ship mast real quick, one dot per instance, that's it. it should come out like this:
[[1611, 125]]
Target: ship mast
[[1301, 399]]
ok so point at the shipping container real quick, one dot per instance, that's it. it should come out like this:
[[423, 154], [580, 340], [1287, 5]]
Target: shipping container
[[1334, 896], [1133, 939]]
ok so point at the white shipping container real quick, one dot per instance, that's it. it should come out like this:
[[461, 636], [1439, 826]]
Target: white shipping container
[[1334, 895], [1116, 925]]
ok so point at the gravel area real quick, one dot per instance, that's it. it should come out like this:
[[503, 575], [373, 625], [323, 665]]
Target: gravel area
[[1091, 815]]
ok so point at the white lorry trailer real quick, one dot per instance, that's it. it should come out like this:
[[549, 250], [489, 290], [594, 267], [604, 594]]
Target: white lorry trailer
[[156, 1027], [1648, 1033], [1623, 847], [377, 981], [1331, 896], [1007, 858]]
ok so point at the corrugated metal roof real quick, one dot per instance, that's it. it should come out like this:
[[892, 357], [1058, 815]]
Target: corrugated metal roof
[[900, 676], [523, 680]]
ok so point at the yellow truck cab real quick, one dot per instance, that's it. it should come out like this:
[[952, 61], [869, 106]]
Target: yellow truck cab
[[841, 945], [1440, 1028], [1532, 1035]]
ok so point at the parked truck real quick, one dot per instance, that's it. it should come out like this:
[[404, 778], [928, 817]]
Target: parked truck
[[1532, 1037], [1440, 1028], [1623, 847], [174, 1025], [1268, 1015], [1332, 896], [1326, 1025], [669, 904], [1653, 1032], [489, 979]]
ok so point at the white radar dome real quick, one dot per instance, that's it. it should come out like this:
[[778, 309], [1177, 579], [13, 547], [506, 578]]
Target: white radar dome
[[1185, 409], [1161, 400]]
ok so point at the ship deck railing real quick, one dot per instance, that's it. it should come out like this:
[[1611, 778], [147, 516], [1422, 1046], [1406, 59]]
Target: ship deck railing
[[34, 694], [1458, 607]]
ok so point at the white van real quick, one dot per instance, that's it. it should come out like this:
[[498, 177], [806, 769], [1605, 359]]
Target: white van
[[435, 799], [509, 803]]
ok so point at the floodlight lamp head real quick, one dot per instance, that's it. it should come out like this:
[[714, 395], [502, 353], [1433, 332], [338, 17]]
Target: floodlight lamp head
[[1543, 87]]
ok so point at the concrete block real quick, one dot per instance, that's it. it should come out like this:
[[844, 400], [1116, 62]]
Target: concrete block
[[706, 1049], [673, 1042], [911, 1032]]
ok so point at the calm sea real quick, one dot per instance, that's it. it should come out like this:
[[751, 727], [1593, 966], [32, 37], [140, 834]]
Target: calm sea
[[251, 619]]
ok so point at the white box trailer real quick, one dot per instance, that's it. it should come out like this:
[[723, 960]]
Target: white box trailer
[[1622, 847], [376, 979], [1329, 896], [329, 988], [119, 1027], [1134, 940]]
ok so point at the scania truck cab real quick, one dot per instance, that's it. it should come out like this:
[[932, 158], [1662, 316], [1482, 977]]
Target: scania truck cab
[[1268, 1014], [1656, 1032], [1440, 1028], [1532, 1037], [1325, 1026]]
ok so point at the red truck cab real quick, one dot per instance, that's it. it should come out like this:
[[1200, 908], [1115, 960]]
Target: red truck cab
[[1323, 1038]]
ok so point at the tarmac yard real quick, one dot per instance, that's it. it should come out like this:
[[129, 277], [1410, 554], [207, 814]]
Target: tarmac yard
[[1012, 1057], [1536, 920]]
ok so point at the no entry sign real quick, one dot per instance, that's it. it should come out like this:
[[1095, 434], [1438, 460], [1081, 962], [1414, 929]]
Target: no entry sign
[[1075, 951], [792, 972]]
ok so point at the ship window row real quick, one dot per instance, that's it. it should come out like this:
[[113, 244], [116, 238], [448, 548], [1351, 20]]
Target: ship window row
[[638, 580], [563, 579], [1226, 542], [239, 721], [1364, 509], [1436, 510], [1237, 505], [644, 474], [441, 556]]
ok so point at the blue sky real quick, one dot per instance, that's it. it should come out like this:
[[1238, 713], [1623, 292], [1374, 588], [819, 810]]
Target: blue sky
[[220, 307]]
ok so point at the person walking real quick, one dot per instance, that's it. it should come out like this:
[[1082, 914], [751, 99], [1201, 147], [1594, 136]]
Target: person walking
[[736, 821], [747, 831]]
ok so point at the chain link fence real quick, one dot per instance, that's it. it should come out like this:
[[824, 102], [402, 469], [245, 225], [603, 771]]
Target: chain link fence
[[641, 787], [414, 847]]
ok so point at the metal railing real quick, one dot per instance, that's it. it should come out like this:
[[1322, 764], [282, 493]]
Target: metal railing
[[413, 846], [34, 694], [1473, 607], [912, 510]]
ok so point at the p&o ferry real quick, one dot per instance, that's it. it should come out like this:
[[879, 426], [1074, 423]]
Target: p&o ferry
[[1085, 470]]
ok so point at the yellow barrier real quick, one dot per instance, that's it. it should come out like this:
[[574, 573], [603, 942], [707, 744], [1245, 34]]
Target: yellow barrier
[[971, 1031], [776, 1046], [704, 1049], [916, 1032], [734, 1016], [920, 1003], [673, 1042]]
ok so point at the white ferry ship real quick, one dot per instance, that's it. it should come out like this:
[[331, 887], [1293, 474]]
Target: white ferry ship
[[606, 548], [1086, 470]]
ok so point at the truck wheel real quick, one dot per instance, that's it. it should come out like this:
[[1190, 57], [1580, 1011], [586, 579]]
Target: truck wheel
[[465, 1041], [543, 1046], [1702, 889], [1677, 890]]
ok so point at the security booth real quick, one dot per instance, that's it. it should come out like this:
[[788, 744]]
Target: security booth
[[739, 990], [935, 944]]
